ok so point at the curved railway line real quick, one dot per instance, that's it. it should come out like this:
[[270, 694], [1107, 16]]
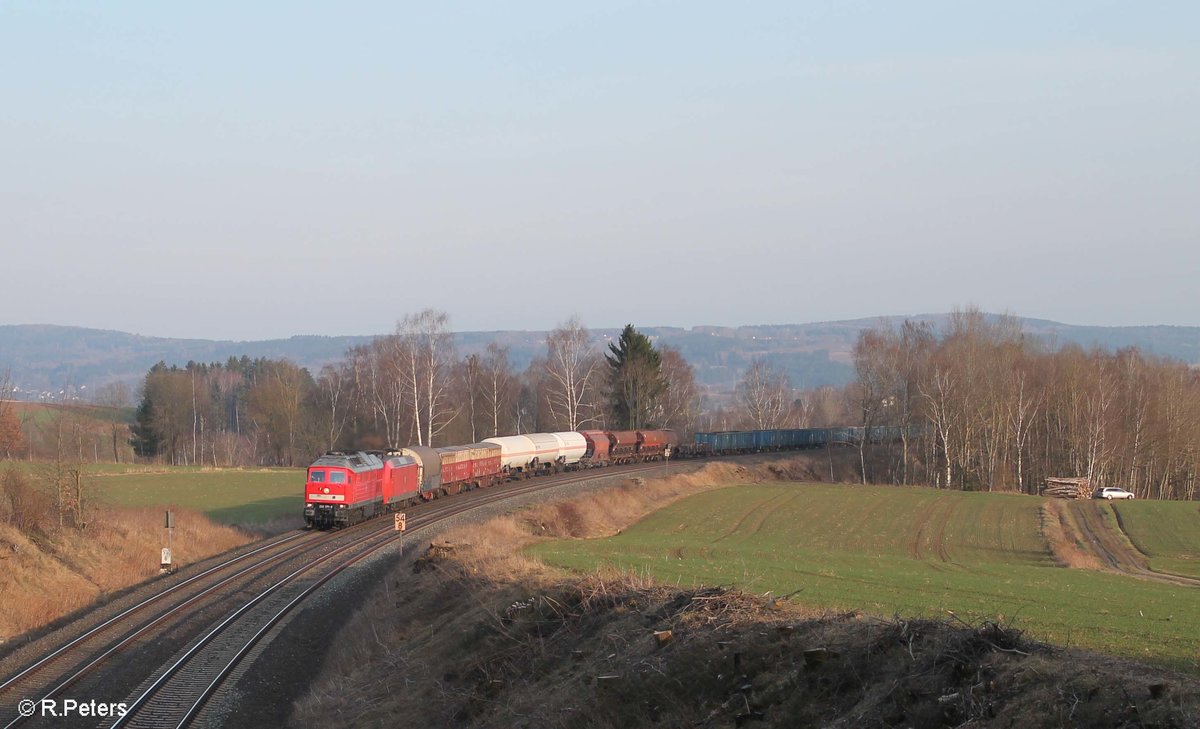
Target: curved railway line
[[166, 655]]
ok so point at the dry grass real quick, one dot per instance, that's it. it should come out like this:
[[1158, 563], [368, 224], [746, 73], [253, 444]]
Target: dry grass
[[45, 575]]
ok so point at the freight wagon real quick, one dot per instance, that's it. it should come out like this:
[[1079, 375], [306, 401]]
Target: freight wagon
[[759, 441], [598, 445]]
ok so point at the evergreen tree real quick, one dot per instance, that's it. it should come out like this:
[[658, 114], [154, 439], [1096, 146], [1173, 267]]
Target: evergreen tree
[[635, 380], [145, 439]]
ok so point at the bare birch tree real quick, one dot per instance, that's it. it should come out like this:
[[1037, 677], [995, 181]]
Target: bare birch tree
[[1022, 412], [875, 363], [334, 387], [939, 395], [499, 387], [764, 393], [380, 373], [471, 376], [571, 365], [428, 358]]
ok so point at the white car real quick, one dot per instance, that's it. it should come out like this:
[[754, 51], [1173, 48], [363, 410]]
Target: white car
[[1112, 492]]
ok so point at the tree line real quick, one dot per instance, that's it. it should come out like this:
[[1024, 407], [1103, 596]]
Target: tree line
[[1003, 411], [408, 387], [990, 408]]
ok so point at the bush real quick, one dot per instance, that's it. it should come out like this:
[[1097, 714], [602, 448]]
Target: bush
[[22, 505]]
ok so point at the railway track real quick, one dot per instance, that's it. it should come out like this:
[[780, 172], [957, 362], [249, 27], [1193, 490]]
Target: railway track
[[61, 666], [167, 655]]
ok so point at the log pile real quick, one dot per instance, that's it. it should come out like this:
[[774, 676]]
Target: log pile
[[1067, 488]]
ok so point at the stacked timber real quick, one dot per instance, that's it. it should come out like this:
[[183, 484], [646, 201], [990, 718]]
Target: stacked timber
[[1067, 488]]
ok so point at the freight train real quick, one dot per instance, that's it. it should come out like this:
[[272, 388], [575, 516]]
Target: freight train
[[345, 488]]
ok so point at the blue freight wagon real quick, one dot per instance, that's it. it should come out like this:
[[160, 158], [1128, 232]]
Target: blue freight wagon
[[753, 441]]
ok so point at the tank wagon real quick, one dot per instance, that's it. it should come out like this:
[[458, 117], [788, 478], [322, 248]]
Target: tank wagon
[[533, 453]]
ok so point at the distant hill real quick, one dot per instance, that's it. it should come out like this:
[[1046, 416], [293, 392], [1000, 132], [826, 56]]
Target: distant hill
[[54, 362], [51, 360]]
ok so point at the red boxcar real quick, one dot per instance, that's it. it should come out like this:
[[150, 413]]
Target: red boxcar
[[485, 463], [598, 446], [456, 468]]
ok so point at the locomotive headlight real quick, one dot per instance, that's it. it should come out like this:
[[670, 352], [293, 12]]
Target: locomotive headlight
[[326, 489]]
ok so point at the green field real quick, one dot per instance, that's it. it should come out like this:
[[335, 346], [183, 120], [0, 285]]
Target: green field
[[899, 551], [32, 468], [230, 496], [37, 414], [1167, 532], [227, 495]]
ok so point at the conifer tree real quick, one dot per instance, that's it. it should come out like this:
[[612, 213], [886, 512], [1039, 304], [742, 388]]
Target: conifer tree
[[635, 380]]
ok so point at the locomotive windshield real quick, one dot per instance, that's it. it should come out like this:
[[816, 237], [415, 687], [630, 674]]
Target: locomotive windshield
[[316, 475], [337, 477]]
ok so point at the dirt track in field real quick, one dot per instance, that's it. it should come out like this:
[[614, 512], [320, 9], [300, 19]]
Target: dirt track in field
[[929, 534], [1092, 540]]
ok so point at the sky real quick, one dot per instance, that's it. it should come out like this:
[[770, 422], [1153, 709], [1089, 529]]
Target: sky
[[259, 170]]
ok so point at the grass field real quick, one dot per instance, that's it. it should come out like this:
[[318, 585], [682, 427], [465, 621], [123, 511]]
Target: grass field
[[905, 551], [41, 413], [1167, 532], [230, 496], [102, 469]]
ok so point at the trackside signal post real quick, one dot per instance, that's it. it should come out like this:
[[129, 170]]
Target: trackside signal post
[[401, 524], [169, 525]]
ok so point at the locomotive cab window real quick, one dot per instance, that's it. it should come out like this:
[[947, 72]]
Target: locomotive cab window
[[316, 476], [337, 477]]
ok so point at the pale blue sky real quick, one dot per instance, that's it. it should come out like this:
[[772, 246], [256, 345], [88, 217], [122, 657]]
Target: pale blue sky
[[220, 171]]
